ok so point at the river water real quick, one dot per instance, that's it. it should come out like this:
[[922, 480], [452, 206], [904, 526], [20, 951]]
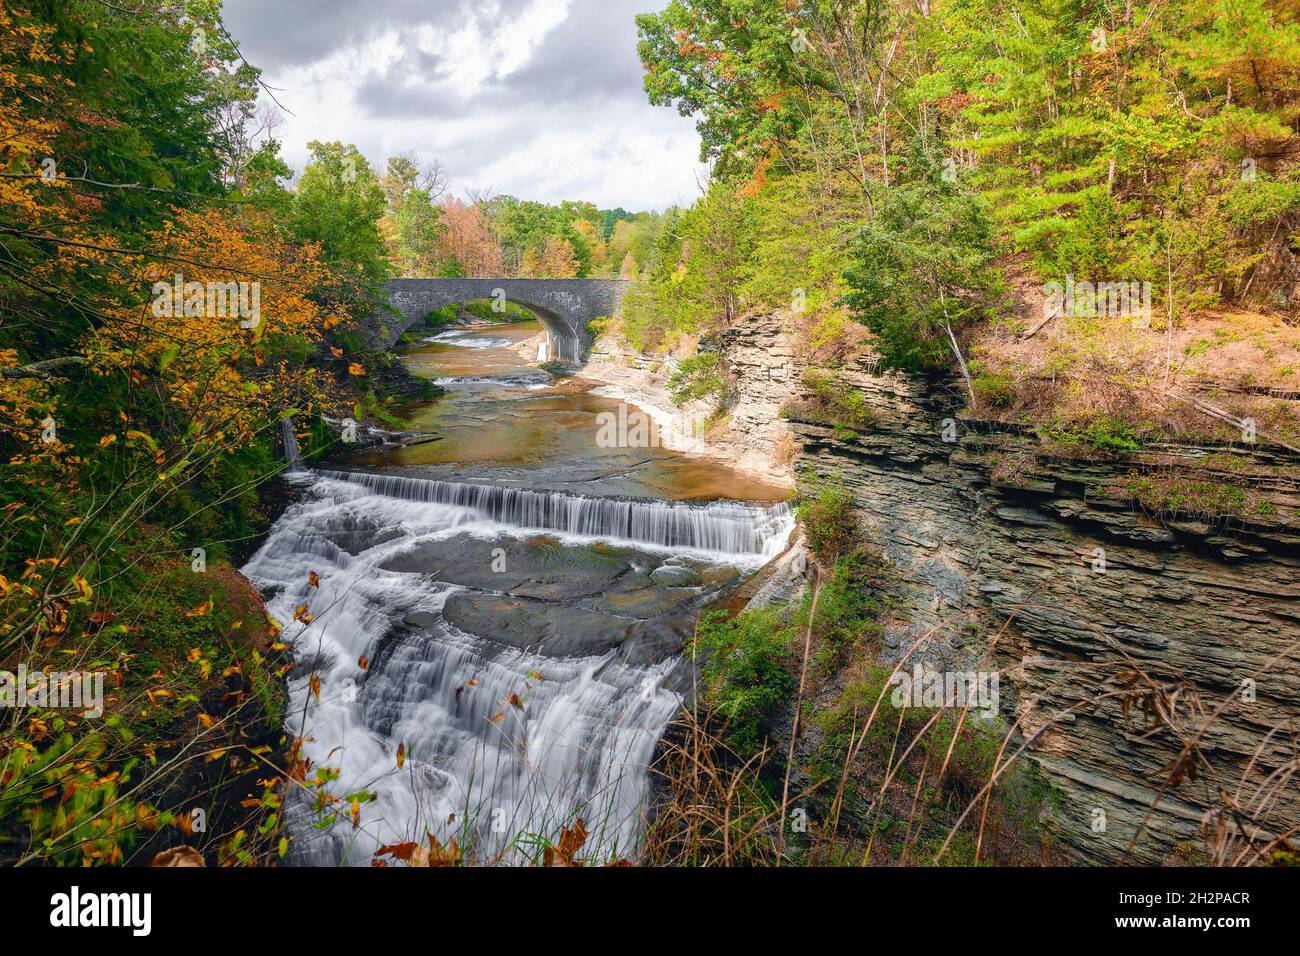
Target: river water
[[504, 607]]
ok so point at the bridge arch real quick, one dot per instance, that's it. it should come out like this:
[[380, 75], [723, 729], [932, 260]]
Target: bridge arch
[[565, 307]]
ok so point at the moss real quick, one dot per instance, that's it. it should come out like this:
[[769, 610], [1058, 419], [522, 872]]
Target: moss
[[1188, 496], [1098, 431], [829, 402]]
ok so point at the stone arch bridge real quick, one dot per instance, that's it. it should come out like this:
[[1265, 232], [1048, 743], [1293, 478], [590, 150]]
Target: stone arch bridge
[[564, 306]]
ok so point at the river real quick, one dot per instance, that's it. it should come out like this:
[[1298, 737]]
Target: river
[[496, 618]]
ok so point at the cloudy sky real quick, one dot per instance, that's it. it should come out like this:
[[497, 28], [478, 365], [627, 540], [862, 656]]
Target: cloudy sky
[[538, 98]]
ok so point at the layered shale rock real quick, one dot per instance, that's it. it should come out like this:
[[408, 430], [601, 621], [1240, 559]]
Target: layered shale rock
[[749, 434], [1033, 562]]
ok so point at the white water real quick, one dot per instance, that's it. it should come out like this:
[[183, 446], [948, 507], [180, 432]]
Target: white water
[[292, 456], [479, 767], [466, 339], [726, 529]]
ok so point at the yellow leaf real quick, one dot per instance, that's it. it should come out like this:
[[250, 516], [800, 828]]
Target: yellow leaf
[[201, 610]]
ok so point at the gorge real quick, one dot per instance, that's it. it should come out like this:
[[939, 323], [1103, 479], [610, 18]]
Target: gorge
[[495, 655]]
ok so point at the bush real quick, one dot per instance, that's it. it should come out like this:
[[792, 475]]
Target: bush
[[996, 389], [830, 517], [1100, 432], [697, 377], [747, 670]]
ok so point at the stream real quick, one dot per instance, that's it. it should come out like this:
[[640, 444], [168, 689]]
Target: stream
[[505, 607]]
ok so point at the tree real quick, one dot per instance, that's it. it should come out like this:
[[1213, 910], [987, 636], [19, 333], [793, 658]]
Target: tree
[[731, 65], [466, 246], [337, 205], [920, 269], [559, 261]]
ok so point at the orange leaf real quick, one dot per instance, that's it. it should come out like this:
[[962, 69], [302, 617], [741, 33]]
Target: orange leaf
[[201, 610], [401, 755], [398, 851], [315, 686], [313, 579]]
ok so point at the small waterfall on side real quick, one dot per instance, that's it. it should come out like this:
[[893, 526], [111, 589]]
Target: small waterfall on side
[[292, 456], [721, 527], [497, 741]]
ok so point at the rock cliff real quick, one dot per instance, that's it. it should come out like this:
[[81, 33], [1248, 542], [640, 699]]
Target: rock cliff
[[1036, 562], [1010, 554]]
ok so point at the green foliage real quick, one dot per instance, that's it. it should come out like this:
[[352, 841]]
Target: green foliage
[[848, 609], [803, 225], [418, 225], [700, 260], [1100, 432], [829, 516], [1112, 141], [747, 670], [696, 377], [994, 388], [921, 269], [747, 54], [1209, 499], [337, 205], [832, 403]]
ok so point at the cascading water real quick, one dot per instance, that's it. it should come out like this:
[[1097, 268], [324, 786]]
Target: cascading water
[[292, 456], [499, 741], [723, 527], [519, 648]]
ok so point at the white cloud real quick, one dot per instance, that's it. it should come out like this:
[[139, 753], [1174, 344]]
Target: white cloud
[[544, 103]]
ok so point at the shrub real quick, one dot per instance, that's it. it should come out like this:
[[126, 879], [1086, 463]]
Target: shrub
[[747, 670], [996, 389], [697, 377], [830, 517], [1100, 432]]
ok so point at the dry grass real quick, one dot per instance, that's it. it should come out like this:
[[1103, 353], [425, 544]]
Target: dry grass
[[906, 787], [1246, 363]]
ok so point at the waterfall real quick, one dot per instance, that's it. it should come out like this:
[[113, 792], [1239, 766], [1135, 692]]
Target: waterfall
[[498, 741], [290, 441], [720, 527]]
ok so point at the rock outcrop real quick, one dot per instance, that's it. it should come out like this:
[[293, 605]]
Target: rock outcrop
[[1029, 563], [749, 435]]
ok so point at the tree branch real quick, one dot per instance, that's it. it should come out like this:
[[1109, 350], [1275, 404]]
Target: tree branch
[[41, 369]]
